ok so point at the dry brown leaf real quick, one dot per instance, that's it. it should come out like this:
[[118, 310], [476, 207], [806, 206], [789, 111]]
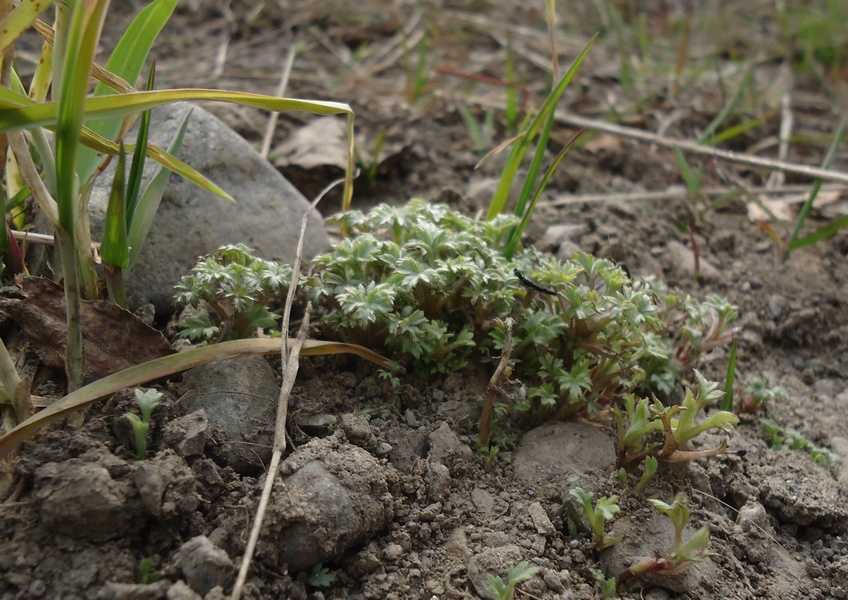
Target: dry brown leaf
[[113, 338]]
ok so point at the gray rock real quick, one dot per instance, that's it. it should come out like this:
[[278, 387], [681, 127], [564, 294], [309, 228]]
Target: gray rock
[[239, 397], [554, 451], [187, 435], [80, 499], [649, 536], [332, 495], [446, 447], [682, 262], [192, 222], [167, 487], [205, 565], [541, 520]]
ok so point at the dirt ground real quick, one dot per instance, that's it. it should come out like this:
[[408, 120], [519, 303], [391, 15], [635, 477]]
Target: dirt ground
[[778, 519]]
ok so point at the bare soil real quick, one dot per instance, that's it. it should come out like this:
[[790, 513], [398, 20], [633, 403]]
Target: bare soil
[[778, 518]]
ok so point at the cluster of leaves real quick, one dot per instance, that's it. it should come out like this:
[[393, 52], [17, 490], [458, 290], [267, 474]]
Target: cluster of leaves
[[648, 428], [237, 287], [428, 285]]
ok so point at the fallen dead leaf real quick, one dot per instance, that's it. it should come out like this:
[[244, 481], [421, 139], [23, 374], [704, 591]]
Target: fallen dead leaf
[[113, 338]]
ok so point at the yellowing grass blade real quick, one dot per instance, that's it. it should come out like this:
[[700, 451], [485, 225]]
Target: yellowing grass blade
[[168, 365], [17, 112], [19, 20]]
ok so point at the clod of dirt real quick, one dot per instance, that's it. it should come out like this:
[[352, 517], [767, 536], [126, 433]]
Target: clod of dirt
[[645, 537], [240, 400], [188, 434], [205, 565], [446, 447], [801, 491], [81, 499], [332, 495], [135, 591], [492, 561], [554, 451], [167, 488]]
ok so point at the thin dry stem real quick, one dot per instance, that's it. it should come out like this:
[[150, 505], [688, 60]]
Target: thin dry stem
[[268, 138], [290, 358]]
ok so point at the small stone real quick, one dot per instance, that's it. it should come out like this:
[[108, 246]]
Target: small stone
[[445, 446], [382, 449], [187, 435], [393, 552], [205, 565], [181, 591], [568, 249], [540, 519], [752, 515], [775, 304], [356, 427], [553, 581], [319, 424]]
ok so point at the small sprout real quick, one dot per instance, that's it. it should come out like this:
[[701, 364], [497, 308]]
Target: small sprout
[[146, 402], [604, 510], [781, 438], [146, 574], [521, 572], [651, 465], [318, 577], [605, 586], [681, 554], [762, 394]]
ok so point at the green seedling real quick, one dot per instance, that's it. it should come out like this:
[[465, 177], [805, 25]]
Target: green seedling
[[237, 286], [782, 438], [481, 132], [680, 554], [650, 468], [762, 394], [730, 377], [318, 577], [146, 574], [598, 514], [146, 401], [370, 165], [504, 590], [606, 587], [652, 429]]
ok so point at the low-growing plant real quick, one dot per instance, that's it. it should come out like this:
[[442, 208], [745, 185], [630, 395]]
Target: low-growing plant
[[598, 514], [237, 287], [607, 587], [146, 574], [318, 576], [504, 590], [783, 438], [680, 554], [652, 429], [146, 402], [762, 394], [429, 287]]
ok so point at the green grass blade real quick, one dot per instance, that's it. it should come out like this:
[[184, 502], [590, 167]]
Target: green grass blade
[[126, 61], [814, 192], [520, 149], [168, 365], [19, 20], [139, 154], [148, 204], [727, 401], [114, 250], [518, 231], [535, 166], [822, 233], [727, 109]]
